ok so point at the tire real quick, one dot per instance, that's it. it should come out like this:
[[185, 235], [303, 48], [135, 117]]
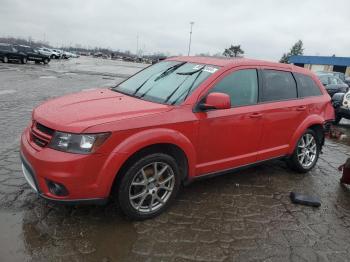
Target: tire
[[37, 62], [140, 191], [5, 59], [24, 60], [46, 61], [305, 158], [337, 119]]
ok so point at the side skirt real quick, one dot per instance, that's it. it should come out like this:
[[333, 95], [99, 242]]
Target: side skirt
[[189, 181]]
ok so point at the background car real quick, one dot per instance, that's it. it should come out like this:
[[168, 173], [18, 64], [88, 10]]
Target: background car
[[333, 84], [56, 53], [9, 53], [347, 80], [337, 74], [45, 51], [32, 55]]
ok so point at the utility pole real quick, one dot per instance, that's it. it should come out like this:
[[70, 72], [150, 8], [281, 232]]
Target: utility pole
[[189, 44], [137, 45]]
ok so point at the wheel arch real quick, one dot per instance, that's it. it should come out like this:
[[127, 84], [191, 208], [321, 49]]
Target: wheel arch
[[145, 142], [314, 122]]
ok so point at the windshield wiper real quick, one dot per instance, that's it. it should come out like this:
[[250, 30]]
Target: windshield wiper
[[188, 90], [165, 73], [137, 89], [169, 70], [191, 72], [177, 88]]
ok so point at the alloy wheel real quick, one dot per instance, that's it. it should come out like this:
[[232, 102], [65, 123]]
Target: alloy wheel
[[307, 150], [151, 187]]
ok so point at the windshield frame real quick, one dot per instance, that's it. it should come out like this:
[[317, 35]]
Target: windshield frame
[[176, 62]]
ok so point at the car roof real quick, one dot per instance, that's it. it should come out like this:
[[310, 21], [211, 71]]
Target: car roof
[[234, 62]]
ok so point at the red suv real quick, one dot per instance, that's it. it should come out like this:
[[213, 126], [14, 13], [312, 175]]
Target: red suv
[[174, 122]]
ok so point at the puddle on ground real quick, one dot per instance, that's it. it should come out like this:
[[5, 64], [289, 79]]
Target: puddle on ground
[[7, 91], [61, 233], [10, 248], [47, 77]]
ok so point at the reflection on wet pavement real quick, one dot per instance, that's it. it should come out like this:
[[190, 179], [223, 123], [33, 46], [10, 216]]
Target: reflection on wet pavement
[[245, 216]]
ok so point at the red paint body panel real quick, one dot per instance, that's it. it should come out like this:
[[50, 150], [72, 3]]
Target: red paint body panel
[[212, 141]]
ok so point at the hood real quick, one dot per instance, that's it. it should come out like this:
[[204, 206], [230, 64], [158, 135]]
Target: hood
[[76, 112]]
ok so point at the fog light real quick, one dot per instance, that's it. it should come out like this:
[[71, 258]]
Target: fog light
[[57, 188]]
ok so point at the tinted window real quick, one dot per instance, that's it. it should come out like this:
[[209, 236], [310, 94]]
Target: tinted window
[[241, 86], [278, 85], [307, 86]]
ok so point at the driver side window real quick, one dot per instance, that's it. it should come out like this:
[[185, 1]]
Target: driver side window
[[241, 86]]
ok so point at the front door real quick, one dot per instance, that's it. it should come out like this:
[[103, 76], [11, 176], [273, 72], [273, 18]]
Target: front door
[[229, 138]]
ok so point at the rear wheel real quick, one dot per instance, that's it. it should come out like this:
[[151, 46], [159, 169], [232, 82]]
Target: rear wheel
[[149, 186], [5, 59], [24, 60], [306, 152]]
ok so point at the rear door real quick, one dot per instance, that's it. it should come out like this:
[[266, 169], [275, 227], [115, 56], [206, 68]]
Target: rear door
[[282, 112], [310, 93]]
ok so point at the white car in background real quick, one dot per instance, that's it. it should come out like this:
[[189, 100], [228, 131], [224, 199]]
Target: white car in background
[[52, 53], [56, 53], [44, 51]]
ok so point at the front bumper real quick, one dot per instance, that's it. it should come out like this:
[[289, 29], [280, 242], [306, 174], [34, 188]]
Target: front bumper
[[80, 174]]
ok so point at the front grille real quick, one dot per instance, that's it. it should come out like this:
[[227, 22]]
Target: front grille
[[44, 129], [41, 135]]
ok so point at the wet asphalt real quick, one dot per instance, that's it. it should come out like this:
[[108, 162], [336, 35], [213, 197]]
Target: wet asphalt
[[243, 216]]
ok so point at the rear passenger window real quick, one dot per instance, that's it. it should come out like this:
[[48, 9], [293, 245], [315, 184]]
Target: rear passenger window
[[306, 86], [241, 86], [278, 85]]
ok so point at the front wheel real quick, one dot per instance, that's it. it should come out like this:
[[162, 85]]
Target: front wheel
[[24, 60], [5, 59], [46, 61], [306, 152], [149, 186]]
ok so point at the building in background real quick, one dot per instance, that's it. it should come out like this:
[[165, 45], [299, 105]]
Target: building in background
[[322, 63]]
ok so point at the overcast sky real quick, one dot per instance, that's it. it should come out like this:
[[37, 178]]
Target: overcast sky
[[265, 29]]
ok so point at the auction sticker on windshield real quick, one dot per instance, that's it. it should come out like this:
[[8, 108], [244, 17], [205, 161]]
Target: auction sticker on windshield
[[208, 69]]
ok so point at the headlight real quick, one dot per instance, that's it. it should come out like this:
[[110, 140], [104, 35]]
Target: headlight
[[77, 143]]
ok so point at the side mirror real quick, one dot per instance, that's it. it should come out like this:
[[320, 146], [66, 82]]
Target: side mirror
[[216, 101]]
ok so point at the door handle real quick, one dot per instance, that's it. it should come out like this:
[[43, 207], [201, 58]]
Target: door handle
[[255, 115], [301, 108]]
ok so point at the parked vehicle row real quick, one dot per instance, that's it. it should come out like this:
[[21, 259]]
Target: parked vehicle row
[[57, 53], [332, 83], [23, 53], [337, 86]]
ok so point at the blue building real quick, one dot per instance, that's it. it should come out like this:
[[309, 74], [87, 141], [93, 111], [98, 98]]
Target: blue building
[[322, 63]]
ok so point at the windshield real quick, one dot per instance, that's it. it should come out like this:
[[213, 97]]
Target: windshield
[[168, 82]]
